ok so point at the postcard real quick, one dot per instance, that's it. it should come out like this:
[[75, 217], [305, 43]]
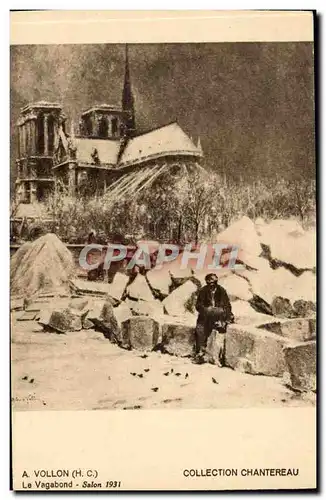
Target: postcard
[[163, 251]]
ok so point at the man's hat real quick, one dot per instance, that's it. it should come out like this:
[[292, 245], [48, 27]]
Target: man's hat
[[211, 275]]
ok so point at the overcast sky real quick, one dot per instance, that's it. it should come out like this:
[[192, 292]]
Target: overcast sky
[[250, 103]]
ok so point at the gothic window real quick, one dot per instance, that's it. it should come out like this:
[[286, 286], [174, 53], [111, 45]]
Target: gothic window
[[27, 193], [28, 138], [103, 128], [40, 135], [89, 125], [82, 129], [114, 126], [51, 134]]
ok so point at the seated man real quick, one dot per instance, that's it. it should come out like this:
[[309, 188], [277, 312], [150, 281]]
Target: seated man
[[214, 308]]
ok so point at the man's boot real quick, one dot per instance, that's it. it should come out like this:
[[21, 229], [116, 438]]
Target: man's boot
[[200, 344]]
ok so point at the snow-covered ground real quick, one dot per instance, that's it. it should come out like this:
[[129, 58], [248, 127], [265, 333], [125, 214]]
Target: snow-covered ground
[[84, 371]]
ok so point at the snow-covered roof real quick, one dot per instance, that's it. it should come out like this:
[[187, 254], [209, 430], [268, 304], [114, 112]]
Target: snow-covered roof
[[102, 107], [168, 140]]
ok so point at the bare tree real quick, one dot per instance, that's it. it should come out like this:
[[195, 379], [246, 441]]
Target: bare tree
[[304, 197], [198, 200]]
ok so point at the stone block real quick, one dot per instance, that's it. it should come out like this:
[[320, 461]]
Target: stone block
[[103, 317], [269, 283], [114, 290], [304, 308], [122, 312], [65, 320], [254, 351], [117, 287], [301, 365], [215, 350], [244, 314], [305, 288], [140, 290], [87, 324], [178, 338], [140, 332], [93, 288], [179, 301], [81, 304], [45, 316], [16, 304], [298, 329], [236, 287], [28, 316], [252, 263], [282, 308], [178, 275], [242, 234], [144, 308], [290, 244], [160, 281]]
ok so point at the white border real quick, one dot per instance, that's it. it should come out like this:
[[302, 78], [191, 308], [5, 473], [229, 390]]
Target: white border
[[4, 185]]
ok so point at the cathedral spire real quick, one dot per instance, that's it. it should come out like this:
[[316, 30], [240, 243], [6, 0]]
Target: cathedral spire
[[128, 100]]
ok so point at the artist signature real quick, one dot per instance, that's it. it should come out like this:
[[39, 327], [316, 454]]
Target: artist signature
[[30, 397]]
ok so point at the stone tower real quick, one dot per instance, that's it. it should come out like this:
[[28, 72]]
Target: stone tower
[[102, 121], [37, 135]]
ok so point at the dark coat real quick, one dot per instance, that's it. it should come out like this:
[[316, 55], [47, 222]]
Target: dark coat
[[217, 298]]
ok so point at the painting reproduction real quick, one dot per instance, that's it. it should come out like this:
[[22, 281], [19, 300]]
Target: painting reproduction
[[162, 231]]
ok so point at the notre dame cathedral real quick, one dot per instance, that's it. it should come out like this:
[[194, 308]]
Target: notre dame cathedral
[[105, 153]]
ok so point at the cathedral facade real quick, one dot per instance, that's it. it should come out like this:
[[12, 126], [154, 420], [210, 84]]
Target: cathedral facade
[[105, 154]]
